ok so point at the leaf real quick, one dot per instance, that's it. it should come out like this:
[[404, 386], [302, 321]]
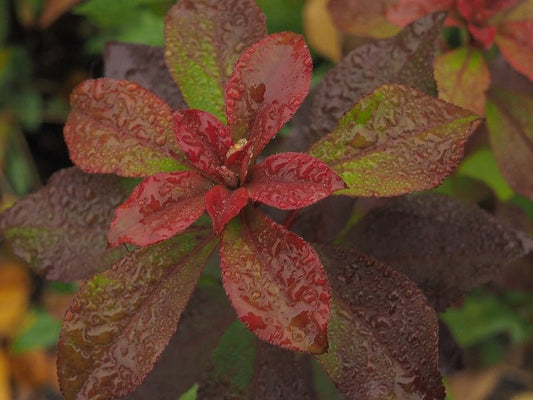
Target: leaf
[[394, 141], [160, 206], [5, 389], [382, 333], [510, 124], [268, 84], [206, 318], [447, 247], [203, 40], [41, 331], [61, 230], [404, 12], [363, 17], [462, 78], [53, 9], [320, 32], [223, 204], [203, 138], [292, 180], [119, 127], [514, 42], [15, 291], [406, 58], [275, 282], [144, 65], [122, 319]]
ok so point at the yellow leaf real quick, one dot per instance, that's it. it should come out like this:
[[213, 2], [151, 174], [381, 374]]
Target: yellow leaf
[[320, 32], [5, 393], [14, 296]]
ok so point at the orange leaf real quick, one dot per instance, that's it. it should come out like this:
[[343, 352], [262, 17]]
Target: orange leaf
[[14, 296], [5, 392]]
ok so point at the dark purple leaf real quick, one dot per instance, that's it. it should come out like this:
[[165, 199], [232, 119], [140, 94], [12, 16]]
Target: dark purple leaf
[[121, 320], [406, 58], [61, 230], [447, 247], [382, 333], [144, 65]]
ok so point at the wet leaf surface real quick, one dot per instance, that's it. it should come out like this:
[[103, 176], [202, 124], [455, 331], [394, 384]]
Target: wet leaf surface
[[203, 138], [61, 229], [406, 58], [394, 141], [363, 17], [447, 247], [275, 282], [160, 206], [268, 84], [223, 204], [144, 65], [119, 127], [206, 317], [510, 125], [292, 180], [382, 333], [203, 40], [462, 78], [122, 319]]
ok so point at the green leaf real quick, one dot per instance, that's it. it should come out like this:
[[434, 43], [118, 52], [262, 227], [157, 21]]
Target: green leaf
[[203, 40], [510, 124], [190, 394], [122, 319], [41, 332], [396, 140], [61, 230], [382, 334], [482, 165], [283, 15], [4, 21], [119, 127]]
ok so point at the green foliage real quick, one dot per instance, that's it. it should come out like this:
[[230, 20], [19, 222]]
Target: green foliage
[[41, 331]]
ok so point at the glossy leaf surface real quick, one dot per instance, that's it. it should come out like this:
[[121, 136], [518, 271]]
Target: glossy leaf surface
[[394, 141], [61, 229], [510, 124], [203, 40], [203, 138], [206, 317], [362, 17], [406, 58], [223, 204], [292, 180], [382, 334], [268, 84], [447, 247], [462, 77], [159, 207], [275, 282], [144, 65], [122, 319], [119, 127]]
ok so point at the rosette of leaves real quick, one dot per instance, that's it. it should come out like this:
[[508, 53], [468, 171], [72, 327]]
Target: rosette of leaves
[[144, 249]]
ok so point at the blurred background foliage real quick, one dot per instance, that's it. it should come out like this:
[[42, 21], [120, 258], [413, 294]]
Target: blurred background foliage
[[48, 46]]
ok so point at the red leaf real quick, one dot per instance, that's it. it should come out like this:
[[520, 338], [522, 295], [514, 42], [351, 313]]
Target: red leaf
[[61, 229], [478, 12], [223, 204], [159, 207], [122, 319], [268, 84], [275, 282], [404, 12], [292, 180], [203, 138], [119, 127], [382, 335]]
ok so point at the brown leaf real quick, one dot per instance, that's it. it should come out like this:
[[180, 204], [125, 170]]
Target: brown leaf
[[5, 390], [447, 247], [382, 333], [53, 9], [61, 230]]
